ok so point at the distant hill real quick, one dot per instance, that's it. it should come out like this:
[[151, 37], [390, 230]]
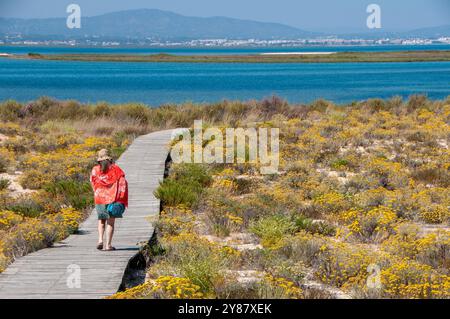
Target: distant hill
[[150, 23]]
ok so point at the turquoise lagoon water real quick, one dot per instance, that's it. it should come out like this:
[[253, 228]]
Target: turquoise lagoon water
[[159, 83]]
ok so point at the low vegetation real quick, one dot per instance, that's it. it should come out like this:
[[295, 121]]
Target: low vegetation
[[359, 207], [338, 57], [44, 177]]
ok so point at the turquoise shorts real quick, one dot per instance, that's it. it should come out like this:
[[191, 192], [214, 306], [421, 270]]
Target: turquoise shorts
[[114, 210]]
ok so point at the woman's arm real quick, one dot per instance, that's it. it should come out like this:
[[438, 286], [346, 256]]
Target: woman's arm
[[122, 191], [94, 179]]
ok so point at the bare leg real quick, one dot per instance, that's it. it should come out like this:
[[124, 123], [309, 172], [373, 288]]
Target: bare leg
[[101, 230], [109, 232]]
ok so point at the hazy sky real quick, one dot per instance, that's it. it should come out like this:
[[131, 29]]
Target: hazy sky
[[314, 15]]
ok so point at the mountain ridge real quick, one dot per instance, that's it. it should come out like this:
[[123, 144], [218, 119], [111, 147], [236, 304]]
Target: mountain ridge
[[155, 24]]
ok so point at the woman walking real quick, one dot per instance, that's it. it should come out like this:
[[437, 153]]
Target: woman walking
[[110, 195]]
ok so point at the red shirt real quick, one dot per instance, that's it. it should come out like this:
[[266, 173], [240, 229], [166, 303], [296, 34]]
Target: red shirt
[[109, 187]]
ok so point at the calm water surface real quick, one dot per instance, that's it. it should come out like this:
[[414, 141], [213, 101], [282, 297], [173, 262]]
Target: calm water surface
[[158, 83]]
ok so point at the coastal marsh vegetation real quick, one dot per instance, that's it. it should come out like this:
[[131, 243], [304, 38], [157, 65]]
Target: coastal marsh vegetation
[[336, 57], [362, 197], [360, 187], [45, 166]]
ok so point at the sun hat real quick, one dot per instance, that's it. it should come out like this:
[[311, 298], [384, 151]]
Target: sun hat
[[103, 155]]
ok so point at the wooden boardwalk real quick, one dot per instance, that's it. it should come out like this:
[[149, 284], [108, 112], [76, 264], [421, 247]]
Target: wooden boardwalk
[[47, 273]]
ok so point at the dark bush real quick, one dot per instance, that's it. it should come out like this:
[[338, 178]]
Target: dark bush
[[416, 102], [10, 110], [102, 110], [3, 165], [184, 186], [25, 206], [73, 193], [4, 183], [172, 193], [194, 173]]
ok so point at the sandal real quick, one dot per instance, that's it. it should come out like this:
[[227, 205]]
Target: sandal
[[110, 249], [100, 246]]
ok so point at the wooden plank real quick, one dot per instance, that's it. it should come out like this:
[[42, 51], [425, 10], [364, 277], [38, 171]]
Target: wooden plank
[[43, 274]]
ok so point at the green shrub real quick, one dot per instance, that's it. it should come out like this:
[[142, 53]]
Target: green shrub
[[272, 230], [340, 164], [10, 110], [137, 112], [102, 109], [41, 107], [4, 183], [416, 102], [26, 206], [72, 193], [4, 164], [173, 193], [314, 227], [34, 55], [432, 175], [69, 110], [218, 208], [184, 186], [192, 173], [375, 105], [192, 257]]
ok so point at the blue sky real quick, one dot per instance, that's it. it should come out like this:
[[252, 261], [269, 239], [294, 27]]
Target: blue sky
[[314, 15]]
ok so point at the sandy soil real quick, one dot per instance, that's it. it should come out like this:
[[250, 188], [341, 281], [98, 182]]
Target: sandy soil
[[15, 188]]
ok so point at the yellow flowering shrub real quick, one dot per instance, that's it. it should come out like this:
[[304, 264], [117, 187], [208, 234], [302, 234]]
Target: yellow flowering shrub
[[331, 203], [176, 288], [10, 128], [230, 252], [3, 262], [71, 162], [373, 225], [174, 220], [375, 197], [225, 180], [9, 219], [7, 158], [410, 279], [54, 158], [280, 288], [235, 219], [383, 167], [67, 220], [273, 230], [432, 249], [31, 234], [374, 172], [435, 214], [193, 257], [344, 265], [167, 287], [140, 291]]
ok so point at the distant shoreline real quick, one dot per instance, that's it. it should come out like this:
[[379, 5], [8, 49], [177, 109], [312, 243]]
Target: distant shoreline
[[276, 57], [297, 53]]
